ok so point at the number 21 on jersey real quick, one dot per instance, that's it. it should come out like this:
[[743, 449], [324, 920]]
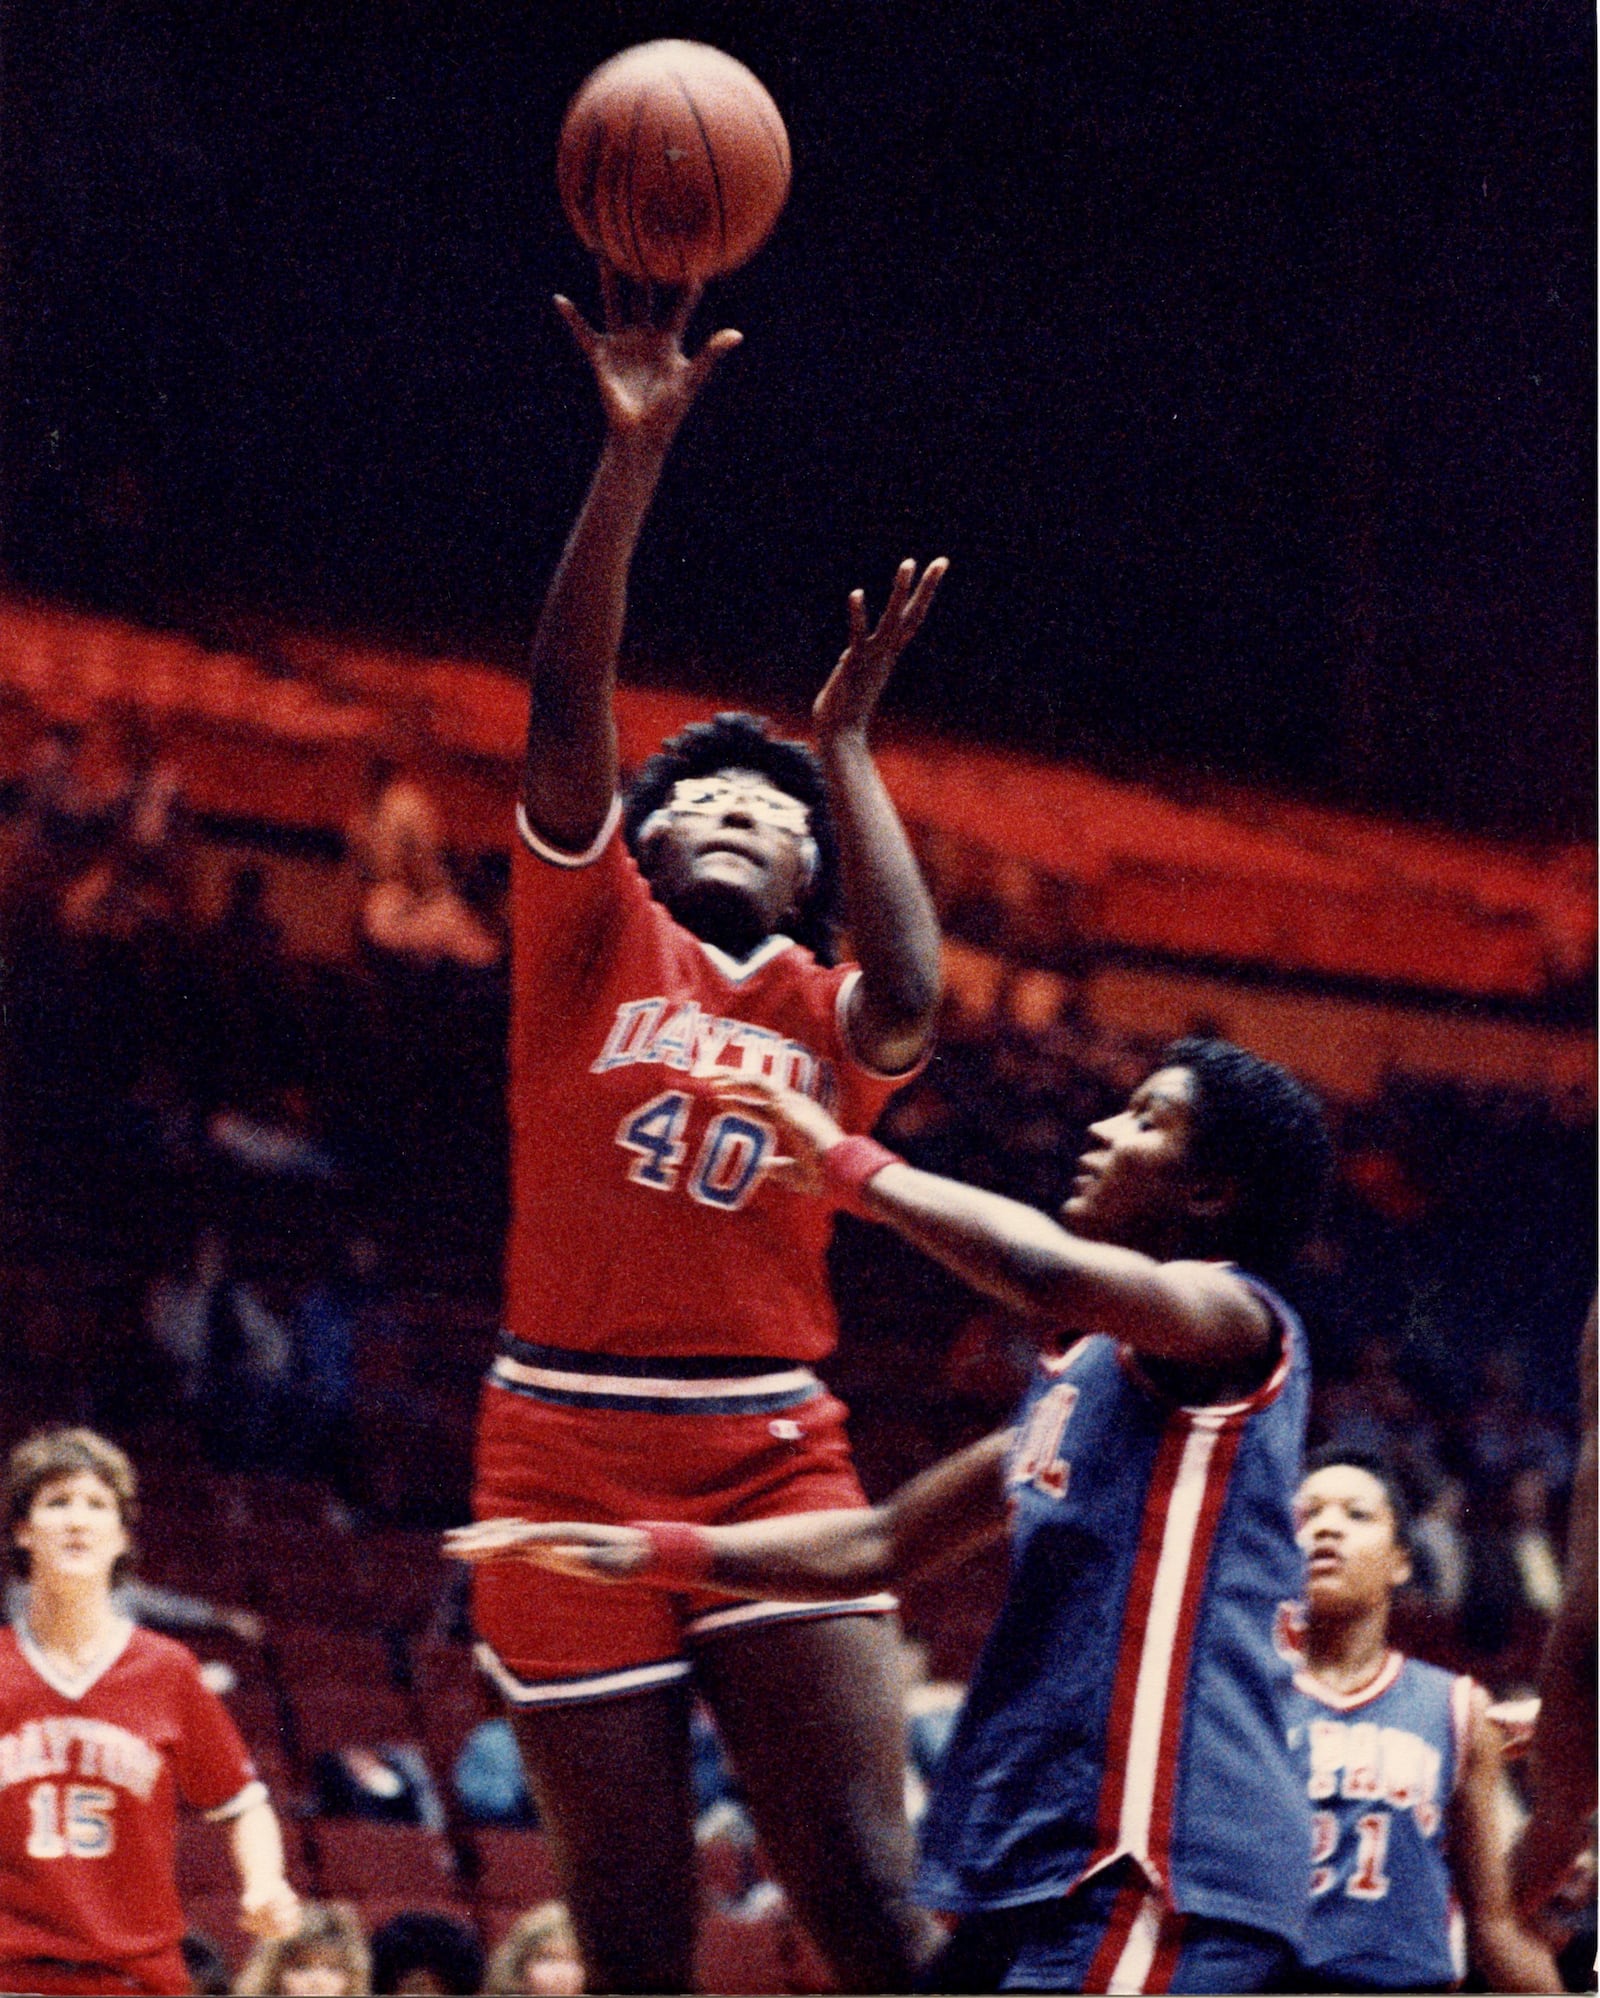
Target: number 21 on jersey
[[727, 1166], [1367, 1881]]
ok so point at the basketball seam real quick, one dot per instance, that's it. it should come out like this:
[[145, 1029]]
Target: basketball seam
[[645, 271], [589, 177], [778, 135], [711, 161], [670, 166]]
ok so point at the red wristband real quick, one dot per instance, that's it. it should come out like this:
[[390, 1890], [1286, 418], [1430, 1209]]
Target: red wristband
[[678, 1553], [847, 1166]]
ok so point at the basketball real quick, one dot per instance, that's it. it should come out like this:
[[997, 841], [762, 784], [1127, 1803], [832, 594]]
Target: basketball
[[673, 162]]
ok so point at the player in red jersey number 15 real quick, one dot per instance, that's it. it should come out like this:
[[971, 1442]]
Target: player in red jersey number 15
[[104, 1728]]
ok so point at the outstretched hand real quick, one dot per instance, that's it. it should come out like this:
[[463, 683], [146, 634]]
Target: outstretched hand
[[646, 380], [569, 1547], [805, 1130], [851, 696]]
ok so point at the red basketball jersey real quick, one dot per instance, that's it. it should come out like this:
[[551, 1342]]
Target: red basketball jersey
[[90, 1779], [642, 1223]]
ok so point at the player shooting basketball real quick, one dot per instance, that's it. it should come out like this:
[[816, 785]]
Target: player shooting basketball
[[664, 1298]]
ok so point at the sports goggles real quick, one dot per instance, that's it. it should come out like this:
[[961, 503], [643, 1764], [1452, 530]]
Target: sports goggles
[[714, 795]]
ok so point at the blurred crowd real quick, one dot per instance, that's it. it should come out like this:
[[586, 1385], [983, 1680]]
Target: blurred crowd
[[415, 1951], [263, 1157]]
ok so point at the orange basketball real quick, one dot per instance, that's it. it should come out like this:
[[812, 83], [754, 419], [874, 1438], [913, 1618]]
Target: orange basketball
[[673, 163]]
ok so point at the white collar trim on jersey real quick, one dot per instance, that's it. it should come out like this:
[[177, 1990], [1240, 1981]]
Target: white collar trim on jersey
[[73, 1685], [737, 970], [1380, 1682]]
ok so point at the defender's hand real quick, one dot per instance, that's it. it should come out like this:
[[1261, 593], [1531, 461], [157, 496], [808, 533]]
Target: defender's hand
[[569, 1547], [851, 696], [646, 381], [804, 1128]]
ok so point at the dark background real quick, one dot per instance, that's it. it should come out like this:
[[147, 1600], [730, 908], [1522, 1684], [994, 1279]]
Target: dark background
[[1240, 355]]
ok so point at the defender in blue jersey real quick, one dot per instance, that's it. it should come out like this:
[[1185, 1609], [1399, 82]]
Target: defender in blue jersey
[[1401, 1767], [1118, 1809]]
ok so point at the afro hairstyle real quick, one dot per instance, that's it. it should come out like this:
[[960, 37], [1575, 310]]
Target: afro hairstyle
[[743, 742]]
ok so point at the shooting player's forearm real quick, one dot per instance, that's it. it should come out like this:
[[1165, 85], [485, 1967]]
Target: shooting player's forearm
[[572, 748]]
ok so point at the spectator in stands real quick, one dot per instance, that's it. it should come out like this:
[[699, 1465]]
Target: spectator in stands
[[932, 1707], [1495, 1428], [274, 1138], [490, 1782], [327, 1311], [1495, 1611], [1532, 1547], [246, 933], [412, 907], [539, 1957], [327, 1959], [60, 826], [206, 1965], [246, 1019], [390, 1785], [426, 1954], [233, 1353], [1438, 1549], [140, 883], [1376, 1413]]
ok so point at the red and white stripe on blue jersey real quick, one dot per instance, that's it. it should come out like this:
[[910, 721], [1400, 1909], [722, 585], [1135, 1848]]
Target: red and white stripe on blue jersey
[[1380, 1766], [1189, 1486], [1127, 1705]]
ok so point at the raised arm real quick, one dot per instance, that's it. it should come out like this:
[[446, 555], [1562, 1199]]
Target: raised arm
[[893, 927], [939, 1517], [1194, 1313], [646, 385], [1502, 1951]]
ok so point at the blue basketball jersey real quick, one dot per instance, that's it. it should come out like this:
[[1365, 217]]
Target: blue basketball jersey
[[1128, 1704], [1380, 1767]]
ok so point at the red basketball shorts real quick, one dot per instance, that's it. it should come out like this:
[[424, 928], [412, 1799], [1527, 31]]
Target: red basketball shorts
[[564, 1435]]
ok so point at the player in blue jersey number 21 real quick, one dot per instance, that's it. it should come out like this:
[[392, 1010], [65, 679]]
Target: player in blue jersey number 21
[[1403, 1767]]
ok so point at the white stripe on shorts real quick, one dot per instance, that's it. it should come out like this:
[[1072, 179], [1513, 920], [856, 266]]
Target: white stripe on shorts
[[652, 1387], [560, 1692], [770, 1612]]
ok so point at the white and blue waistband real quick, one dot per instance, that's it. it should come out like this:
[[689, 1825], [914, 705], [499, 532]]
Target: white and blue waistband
[[692, 1385]]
